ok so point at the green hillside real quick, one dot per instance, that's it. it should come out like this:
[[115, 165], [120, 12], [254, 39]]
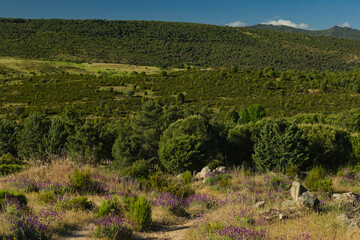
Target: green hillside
[[167, 44], [336, 31]]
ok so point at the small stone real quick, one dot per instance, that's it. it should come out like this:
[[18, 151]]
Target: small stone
[[220, 169], [259, 205]]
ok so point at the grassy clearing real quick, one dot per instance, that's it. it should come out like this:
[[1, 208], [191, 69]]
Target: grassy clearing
[[17, 67], [214, 208]]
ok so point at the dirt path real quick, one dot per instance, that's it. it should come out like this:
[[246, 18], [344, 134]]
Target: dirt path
[[79, 234], [176, 232]]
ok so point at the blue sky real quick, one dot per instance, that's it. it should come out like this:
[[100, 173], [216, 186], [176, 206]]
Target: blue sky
[[308, 14]]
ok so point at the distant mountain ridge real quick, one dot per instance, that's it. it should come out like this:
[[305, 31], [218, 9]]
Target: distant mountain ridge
[[336, 31]]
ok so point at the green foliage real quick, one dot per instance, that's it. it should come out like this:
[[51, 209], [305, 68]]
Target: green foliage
[[330, 147], [186, 177], [292, 171], [110, 207], [256, 112], [79, 203], [89, 144], [31, 137], [47, 196], [141, 43], [82, 182], [10, 164], [5, 194], [280, 144], [139, 170], [7, 138], [56, 137], [182, 153], [316, 181], [214, 164], [125, 149], [140, 212], [164, 183], [186, 144], [180, 98]]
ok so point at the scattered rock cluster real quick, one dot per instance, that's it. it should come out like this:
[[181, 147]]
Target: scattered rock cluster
[[302, 200], [206, 172]]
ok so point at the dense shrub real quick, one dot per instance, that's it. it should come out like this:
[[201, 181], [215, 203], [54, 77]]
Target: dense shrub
[[125, 149], [329, 146], [139, 169], [186, 177], [56, 137], [181, 153], [110, 207], [7, 138], [80, 203], [280, 144], [164, 183], [316, 181], [112, 227], [10, 164], [31, 137], [140, 212], [4, 194], [82, 182]]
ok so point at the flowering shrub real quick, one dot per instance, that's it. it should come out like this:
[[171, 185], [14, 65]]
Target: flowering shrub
[[210, 202], [235, 233], [111, 227], [31, 228]]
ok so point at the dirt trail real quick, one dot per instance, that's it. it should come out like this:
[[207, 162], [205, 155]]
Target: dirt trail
[[176, 232], [79, 234]]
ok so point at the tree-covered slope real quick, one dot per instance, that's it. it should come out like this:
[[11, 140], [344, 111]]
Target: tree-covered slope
[[336, 31], [172, 44]]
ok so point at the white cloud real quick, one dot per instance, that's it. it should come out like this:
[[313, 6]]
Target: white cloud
[[236, 24], [345, 24], [282, 22]]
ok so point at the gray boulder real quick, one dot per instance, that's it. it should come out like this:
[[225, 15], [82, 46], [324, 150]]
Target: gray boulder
[[308, 201], [202, 174], [296, 190]]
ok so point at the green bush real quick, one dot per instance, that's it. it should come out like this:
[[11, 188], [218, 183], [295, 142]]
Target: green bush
[[47, 196], [214, 164], [82, 182], [7, 138], [4, 194], [163, 183], [80, 203], [140, 212], [330, 147], [181, 153], [6, 169], [108, 207], [186, 177], [316, 181], [280, 144], [139, 169]]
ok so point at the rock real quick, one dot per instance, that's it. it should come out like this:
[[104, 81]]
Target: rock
[[309, 201], [289, 204], [202, 174], [220, 169], [126, 179], [270, 214], [259, 205], [344, 218], [296, 190], [346, 197]]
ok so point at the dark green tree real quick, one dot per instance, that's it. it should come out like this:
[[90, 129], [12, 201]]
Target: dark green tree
[[7, 138], [31, 136], [280, 144], [56, 137]]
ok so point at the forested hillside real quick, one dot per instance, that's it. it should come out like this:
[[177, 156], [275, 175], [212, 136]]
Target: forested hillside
[[172, 44], [336, 31]]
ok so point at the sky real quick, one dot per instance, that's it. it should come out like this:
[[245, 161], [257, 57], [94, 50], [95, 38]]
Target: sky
[[306, 14]]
